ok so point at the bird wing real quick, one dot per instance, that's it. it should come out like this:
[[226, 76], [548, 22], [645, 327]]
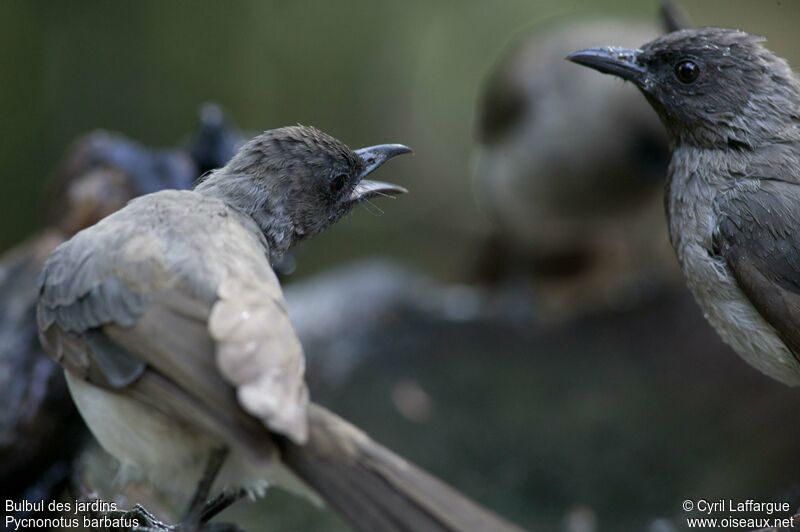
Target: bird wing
[[172, 301], [758, 223]]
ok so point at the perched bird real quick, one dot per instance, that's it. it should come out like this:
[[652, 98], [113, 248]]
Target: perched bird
[[569, 168], [732, 111], [40, 432], [180, 355]]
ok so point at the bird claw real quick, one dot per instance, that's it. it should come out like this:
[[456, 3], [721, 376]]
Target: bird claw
[[148, 522]]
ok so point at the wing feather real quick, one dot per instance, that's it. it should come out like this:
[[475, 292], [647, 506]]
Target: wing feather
[[144, 296], [260, 354], [758, 235]]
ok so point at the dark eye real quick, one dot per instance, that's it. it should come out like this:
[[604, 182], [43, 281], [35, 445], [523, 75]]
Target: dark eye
[[338, 183], [687, 71]]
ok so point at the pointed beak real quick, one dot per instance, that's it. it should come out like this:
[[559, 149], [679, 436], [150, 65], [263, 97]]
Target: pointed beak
[[620, 62], [373, 158]]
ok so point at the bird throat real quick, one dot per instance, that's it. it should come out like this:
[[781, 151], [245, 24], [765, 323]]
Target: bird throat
[[254, 199]]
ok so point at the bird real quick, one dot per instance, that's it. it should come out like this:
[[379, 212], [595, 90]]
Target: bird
[[103, 170], [40, 431], [180, 355], [581, 230], [732, 110], [216, 140]]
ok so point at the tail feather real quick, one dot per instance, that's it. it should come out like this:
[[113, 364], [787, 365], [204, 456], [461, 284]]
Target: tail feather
[[377, 491]]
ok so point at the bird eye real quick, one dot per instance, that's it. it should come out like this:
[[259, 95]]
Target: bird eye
[[338, 183], [687, 71]]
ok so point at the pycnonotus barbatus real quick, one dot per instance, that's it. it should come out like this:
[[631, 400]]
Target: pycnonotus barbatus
[[732, 111], [180, 355]]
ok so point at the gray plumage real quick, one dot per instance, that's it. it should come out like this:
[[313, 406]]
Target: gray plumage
[[732, 110], [376, 490], [145, 270], [568, 168], [285, 209], [40, 431], [173, 329]]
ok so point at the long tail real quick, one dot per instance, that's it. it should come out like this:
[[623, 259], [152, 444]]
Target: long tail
[[375, 490]]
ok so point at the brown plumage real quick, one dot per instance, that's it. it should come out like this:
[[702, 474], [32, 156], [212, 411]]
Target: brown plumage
[[172, 327], [40, 431]]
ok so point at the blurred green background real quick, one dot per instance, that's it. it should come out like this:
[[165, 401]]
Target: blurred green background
[[386, 71], [367, 72]]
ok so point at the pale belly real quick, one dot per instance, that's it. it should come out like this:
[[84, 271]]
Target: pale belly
[[151, 447], [733, 317]]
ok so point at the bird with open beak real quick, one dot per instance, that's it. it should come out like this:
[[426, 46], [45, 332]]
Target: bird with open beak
[[732, 111], [180, 355]]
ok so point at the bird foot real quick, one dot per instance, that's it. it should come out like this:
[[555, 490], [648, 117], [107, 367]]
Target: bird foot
[[147, 521], [142, 520]]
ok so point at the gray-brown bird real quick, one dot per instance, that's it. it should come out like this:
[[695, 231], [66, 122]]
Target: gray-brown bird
[[179, 353], [732, 110], [40, 432], [569, 169]]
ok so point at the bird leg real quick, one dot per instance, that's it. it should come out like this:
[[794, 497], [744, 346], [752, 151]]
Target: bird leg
[[201, 510], [219, 503], [194, 514], [147, 522]]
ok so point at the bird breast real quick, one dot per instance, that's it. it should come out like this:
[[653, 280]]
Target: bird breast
[[691, 193]]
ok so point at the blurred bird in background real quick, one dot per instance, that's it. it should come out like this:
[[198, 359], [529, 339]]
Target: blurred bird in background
[[565, 404], [215, 141], [566, 438], [569, 171], [40, 432]]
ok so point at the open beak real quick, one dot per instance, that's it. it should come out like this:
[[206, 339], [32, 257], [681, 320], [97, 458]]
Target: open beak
[[620, 62], [373, 158]]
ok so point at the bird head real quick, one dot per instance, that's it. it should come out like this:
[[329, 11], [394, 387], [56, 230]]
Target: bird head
[[297, 181], [712, 87]]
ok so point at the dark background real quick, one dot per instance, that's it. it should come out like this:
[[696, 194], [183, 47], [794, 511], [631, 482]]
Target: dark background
[[366, 72], [567, 421]]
